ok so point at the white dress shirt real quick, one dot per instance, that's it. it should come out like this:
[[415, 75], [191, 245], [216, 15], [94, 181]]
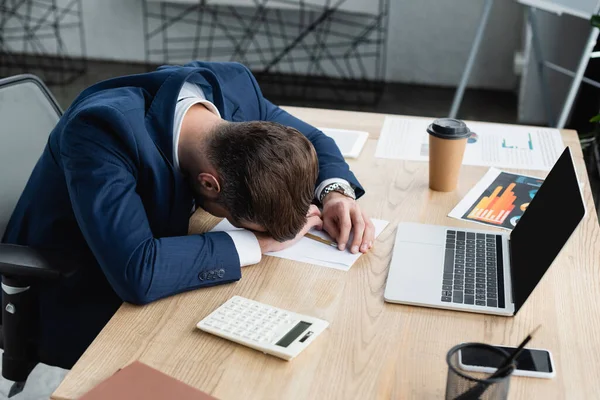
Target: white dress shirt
[[245, 242]]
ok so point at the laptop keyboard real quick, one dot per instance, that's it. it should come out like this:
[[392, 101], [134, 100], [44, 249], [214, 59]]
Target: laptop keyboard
[[473, 271]]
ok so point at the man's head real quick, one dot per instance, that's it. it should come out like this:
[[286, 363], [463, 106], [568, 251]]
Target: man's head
[[261, 176]]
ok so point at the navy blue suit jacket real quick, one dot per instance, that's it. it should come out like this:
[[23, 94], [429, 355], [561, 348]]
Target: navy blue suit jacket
[[105, 193]]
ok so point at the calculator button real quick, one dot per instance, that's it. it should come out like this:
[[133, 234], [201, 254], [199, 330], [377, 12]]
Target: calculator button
[[228, 329], [220, 317], [238, 332]]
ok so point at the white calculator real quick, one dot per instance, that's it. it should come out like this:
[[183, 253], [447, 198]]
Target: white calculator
[[271, 330]]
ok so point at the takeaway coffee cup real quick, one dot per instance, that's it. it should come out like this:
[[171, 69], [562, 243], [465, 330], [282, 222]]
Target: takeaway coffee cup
[[447, 142]]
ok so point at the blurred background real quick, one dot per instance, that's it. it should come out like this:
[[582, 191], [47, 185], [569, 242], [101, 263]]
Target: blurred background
[[387, 56]]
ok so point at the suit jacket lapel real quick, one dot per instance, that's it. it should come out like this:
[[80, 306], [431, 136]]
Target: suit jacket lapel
[[159, 123]]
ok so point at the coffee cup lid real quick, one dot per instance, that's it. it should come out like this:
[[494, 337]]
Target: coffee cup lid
[[449, 128]]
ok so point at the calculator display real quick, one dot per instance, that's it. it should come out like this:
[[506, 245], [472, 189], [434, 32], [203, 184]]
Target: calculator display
[[293, 334]]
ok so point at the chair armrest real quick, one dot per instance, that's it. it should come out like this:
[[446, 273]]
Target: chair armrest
[[25, 262]]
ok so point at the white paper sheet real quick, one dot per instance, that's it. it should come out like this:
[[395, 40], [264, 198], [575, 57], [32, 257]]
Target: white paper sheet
[[313, 252], [493, 145]]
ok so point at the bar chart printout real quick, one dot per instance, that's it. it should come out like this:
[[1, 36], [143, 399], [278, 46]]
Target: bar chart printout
[[494, 209], [499, 199]]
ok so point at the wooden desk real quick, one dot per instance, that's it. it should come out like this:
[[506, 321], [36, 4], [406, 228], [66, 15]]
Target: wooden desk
[[372, 349]]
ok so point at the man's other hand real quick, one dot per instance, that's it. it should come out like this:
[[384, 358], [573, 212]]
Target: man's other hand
[[341, 215], [268, 244]]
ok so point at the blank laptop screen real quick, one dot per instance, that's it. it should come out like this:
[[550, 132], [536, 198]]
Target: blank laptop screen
[[545, 227]]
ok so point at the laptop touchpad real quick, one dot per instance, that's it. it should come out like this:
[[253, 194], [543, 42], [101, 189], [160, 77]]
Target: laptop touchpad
[[419, 271]]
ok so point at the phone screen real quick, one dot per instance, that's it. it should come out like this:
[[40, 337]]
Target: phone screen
[[528, 360]]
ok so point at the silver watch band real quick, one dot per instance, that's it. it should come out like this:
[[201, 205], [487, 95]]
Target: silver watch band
[[339, 187]]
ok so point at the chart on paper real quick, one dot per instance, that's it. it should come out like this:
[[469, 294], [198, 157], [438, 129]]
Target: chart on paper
[[494, 145], [499, 199]]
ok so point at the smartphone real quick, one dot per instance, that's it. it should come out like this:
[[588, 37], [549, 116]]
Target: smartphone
[[534, 363]]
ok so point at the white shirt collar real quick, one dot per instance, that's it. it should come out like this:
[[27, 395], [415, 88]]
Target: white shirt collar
[[189, 95]]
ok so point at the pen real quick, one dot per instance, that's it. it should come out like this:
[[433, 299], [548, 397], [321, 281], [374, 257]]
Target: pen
[[320, 239]]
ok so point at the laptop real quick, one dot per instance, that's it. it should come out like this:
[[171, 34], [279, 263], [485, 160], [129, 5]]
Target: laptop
[[486, 271]]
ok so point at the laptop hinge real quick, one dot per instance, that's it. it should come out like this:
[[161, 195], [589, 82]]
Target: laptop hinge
[[510, 268]]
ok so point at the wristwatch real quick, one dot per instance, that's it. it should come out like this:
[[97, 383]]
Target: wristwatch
[[339, 187]]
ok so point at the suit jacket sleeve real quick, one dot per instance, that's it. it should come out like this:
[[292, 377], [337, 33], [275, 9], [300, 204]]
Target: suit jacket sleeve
[[101, 179], [331, 161]]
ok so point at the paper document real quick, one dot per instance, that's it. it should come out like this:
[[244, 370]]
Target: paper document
[[313, 252], [499, 199], [493, 145]]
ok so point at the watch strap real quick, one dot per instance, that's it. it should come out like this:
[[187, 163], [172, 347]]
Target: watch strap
[[339, 187]]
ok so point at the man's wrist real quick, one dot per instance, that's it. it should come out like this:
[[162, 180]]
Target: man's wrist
[[333, 195], [319, 189], [265, 242], [343, 188]]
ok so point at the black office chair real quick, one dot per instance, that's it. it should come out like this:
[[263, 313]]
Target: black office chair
[[28, 113]]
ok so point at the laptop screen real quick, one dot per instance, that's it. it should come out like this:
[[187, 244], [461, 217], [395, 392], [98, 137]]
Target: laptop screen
[[545, 227]]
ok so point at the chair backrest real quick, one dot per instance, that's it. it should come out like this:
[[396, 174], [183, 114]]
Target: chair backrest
[[28, 113]]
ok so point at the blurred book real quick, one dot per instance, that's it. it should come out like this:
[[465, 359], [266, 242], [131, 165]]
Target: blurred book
[[139, 381]]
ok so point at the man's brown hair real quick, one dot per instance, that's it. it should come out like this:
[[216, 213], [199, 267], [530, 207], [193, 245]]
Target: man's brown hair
[[268, 173]]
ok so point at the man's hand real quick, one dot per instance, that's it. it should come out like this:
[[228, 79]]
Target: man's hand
[[268, 244], [341, 214]]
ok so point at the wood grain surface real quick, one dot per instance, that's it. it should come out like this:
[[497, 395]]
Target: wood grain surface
[[372, 349]]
